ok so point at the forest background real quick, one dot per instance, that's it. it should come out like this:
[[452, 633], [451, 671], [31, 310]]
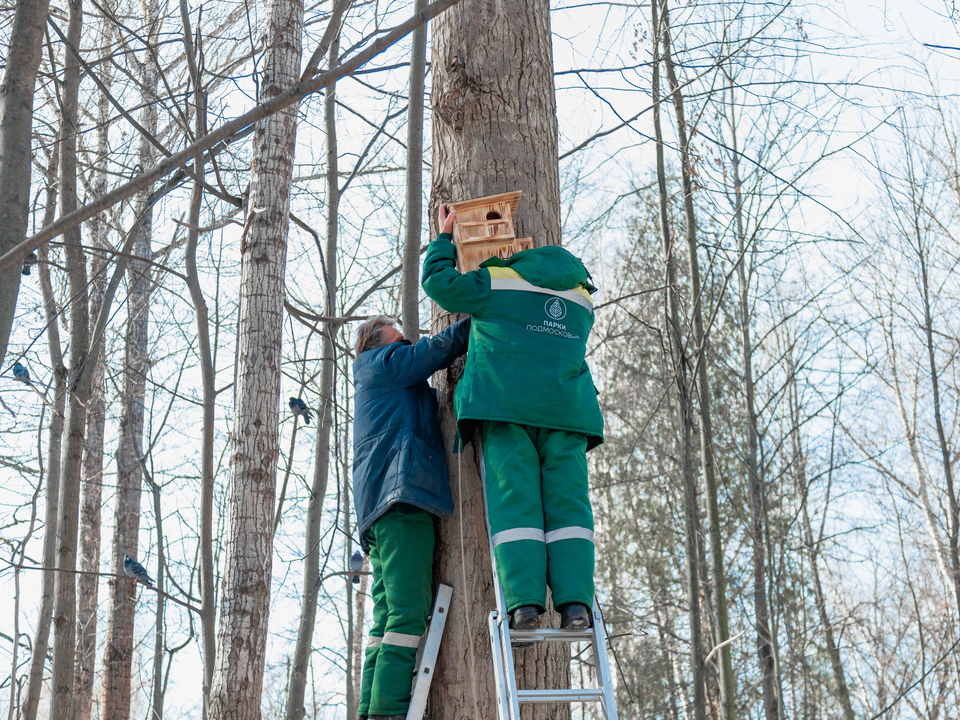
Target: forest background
[[775, 347]]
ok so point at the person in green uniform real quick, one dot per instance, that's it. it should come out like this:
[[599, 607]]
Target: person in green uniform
[[400, 483], [527, 393]]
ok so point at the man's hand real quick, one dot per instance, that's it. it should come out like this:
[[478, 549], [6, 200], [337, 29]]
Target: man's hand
[[445, 219]]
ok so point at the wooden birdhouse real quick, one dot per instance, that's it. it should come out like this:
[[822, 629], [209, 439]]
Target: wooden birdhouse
[[484, 229]]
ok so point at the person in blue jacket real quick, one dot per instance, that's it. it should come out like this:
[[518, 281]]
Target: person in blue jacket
[[400, 483]]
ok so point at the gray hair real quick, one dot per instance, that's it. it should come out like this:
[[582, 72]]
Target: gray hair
[[370, 334]]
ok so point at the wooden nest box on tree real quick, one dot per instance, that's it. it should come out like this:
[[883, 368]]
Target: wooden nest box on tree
[[484, 229]]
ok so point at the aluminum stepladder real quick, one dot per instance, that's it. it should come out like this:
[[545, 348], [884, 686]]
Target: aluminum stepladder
[[431, 648], [502, 639]]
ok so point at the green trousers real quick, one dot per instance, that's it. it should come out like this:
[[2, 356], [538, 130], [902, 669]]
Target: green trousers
[[401, 556], [539, 511]]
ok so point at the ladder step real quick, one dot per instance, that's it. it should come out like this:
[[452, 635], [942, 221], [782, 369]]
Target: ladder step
[[551, 635], [544, 696]]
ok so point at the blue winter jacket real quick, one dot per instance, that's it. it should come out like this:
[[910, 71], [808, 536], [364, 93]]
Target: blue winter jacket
[[398, 454]]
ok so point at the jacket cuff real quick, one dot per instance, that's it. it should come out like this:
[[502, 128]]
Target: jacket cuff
[[445, 236]]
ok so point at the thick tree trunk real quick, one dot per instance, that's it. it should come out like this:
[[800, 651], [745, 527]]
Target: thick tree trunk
[[321, 467], [494, 130], [91, 498], [65, 608], [118, 653], [410, 282], [675, 347], [41, 641], [727, 685], [16, 129], [245, 595], [765, 648]]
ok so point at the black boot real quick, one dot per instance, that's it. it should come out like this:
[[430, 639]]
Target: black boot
[[525, 617], [574, 616]]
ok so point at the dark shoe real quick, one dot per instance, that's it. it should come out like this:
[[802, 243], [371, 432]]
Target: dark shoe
[[525, 617], [574, 616]]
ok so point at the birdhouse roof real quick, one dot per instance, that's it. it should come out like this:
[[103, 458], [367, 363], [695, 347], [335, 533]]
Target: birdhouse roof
[[510, 197]]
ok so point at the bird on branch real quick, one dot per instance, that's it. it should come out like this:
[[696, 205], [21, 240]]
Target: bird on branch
[[133, 569], [356, 564], [299, 408], [28, 262], [21, 373]]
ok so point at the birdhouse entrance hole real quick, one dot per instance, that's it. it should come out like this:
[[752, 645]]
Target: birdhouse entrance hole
[[484, 229]]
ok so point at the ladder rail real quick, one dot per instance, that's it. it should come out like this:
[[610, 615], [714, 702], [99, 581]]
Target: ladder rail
[[503, 617], [431, 649], [496, 650], [502, 640]]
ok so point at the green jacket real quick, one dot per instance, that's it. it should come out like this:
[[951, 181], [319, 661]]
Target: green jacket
[[532, 314]]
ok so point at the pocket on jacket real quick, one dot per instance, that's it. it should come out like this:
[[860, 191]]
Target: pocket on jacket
[[425, 466]]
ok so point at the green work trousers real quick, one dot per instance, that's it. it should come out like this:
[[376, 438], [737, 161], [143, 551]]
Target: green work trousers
[[401, 555], [539, 511]]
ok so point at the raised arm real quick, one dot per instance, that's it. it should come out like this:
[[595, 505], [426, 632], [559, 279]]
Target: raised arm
[[411, 364], [450, 289]]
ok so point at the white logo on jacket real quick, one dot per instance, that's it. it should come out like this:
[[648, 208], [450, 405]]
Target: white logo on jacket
[[556, 308]]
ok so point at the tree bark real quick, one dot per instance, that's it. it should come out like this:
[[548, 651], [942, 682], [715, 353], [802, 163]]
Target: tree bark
[[118, 653], [245, 594], [812, 545], [946, 454], [321, 467], [410, 279], [765, 650], [91, 498], [494, 130], [159, 643], [65, 608], [728, 686], [16, 130], [208, 607], [675, 347], [41, 641]]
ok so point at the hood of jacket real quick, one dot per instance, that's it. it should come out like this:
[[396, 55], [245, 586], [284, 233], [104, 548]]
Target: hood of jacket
[[551, 267]]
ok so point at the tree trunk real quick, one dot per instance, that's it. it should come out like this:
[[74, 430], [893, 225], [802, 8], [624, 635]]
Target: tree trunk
[[494, 130], [91, 498], [953, 517], [16, 134], [359, 603], [159, 644], [321, 466], [65, 608], [410, 281], [118, 653], [208, 607], [245, 594], [812, 546], [679, 368], [728, 686], [765, 650], [41, 641]]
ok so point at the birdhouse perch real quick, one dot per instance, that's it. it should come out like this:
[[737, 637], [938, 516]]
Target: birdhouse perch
[[484, 229]]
